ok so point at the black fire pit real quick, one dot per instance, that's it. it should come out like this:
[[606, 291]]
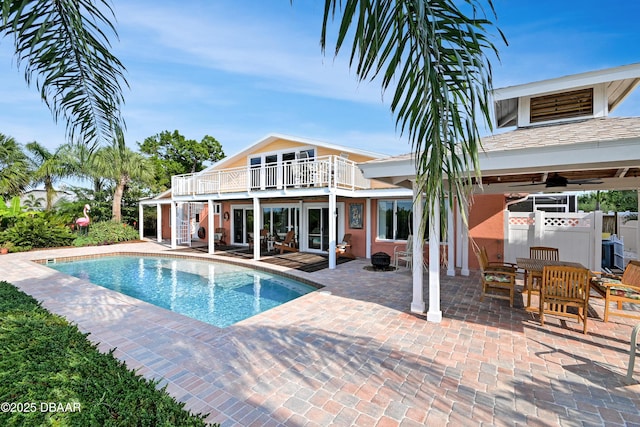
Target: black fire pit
[[380, 260]]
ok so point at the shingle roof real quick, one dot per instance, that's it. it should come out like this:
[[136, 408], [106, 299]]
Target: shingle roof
[[583, 131]]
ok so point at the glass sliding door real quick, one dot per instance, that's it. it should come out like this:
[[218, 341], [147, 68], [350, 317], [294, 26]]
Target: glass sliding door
[[279, 220], [242, 226], [318, 229]]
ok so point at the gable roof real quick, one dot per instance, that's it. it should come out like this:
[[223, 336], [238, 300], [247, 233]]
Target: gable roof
[[618, 81], [305, 141]]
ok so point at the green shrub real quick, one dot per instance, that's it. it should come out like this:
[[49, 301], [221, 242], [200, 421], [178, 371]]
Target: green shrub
[[43, 358], [38, 231], [107, 233]]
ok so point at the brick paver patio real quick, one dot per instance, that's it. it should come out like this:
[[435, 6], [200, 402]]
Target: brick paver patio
[[352, 354]]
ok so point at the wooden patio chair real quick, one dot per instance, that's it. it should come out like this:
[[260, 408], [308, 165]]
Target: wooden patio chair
[[288, 244], [538, 252], [620, 290], [497, 280], [565, 292], [220, 236], [343, 249]]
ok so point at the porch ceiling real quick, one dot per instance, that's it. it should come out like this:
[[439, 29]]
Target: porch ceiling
[[605, 151]]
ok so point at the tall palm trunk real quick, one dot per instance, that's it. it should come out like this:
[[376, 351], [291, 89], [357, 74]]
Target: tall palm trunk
[[50, 191], [116, 210]]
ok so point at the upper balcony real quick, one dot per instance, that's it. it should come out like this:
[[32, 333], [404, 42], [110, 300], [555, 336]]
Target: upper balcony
[[318, 172]]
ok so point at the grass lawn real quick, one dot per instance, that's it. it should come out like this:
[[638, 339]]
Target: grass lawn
[[50, 374]]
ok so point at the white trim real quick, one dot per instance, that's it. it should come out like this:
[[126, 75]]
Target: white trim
[[569, 82]]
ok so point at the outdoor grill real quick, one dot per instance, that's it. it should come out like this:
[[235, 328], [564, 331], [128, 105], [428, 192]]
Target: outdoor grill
[[380, 260]]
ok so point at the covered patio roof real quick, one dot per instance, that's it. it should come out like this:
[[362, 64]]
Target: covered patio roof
[[592, 154]]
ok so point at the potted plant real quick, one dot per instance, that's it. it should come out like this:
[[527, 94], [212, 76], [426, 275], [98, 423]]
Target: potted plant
[[5, 247]]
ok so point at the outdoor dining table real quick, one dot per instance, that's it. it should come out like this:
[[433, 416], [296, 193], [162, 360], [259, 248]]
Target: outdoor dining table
[[533, 268]]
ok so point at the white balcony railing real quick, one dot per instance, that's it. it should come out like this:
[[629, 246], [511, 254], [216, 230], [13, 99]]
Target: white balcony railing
[[326, 171]]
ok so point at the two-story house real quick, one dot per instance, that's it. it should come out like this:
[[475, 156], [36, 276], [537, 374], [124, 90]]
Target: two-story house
[[284, 183]]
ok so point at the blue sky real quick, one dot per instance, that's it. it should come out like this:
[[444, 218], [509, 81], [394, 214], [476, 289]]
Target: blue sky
[[239, 70]]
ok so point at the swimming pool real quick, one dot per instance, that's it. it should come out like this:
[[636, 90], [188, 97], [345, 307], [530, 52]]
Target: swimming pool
[[217, 293]]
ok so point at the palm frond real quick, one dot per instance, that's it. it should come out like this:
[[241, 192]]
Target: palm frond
[[64, 48], [433, 58]]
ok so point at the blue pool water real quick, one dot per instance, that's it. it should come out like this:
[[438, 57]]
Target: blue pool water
[[216, 293]]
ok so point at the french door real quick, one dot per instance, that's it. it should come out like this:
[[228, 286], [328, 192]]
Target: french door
[[318, 229]]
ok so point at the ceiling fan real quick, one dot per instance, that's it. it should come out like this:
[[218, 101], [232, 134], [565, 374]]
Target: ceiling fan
[[556, 180]]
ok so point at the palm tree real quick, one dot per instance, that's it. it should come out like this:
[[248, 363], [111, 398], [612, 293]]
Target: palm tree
[[14, 167], [64, 48], [32, 202], [48, 168], [120, 165], [431, 55]]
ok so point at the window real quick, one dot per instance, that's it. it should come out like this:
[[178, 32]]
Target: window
[[394, 219]]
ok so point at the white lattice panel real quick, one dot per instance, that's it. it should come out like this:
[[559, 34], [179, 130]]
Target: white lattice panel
[[568, 222], [522, 220]]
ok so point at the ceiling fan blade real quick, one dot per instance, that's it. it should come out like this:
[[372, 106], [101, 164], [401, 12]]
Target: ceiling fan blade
[[529, 185], [586, 181]]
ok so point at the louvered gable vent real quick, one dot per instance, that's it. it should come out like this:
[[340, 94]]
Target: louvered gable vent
[[562, 105]]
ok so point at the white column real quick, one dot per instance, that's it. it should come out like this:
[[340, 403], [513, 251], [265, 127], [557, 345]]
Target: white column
[[596, 258], [538, 228], [459, 226], [465, 242], [368, 229], [417, 303], [257, 220], [302, 224], [210, 227], [333, 213], [434, 314], [451, 265], [159, 222], [174, 225], [141, 220]]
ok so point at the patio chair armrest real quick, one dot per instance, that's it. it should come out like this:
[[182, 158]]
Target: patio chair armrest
[[502, 268], [604, 274], [502, 264]]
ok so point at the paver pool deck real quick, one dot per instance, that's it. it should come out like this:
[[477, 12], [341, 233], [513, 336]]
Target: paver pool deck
[[352, 354]]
